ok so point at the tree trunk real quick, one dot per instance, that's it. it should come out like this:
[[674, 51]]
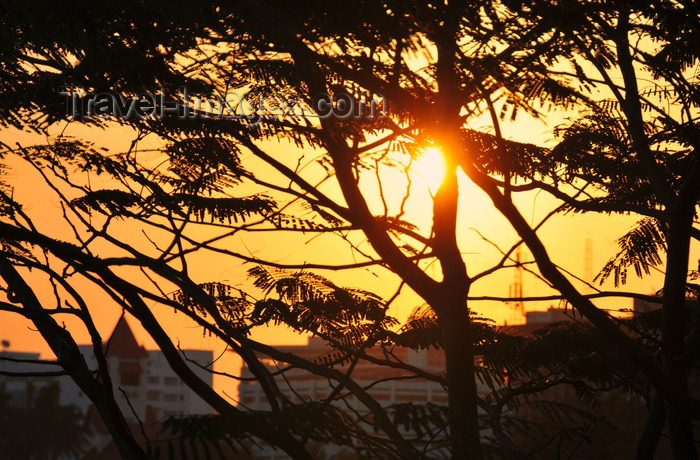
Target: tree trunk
[[681, 211], [648, 441], [673, 330], [453, 318], [70, 358]]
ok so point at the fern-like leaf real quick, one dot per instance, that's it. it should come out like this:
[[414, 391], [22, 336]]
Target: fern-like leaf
[[640, 248]]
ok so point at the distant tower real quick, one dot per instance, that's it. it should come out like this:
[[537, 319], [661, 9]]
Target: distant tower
[[515, 290], [588, 261]]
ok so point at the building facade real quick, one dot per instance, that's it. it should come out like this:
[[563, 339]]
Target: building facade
[[299, 384], [387, 385], [146, 388]]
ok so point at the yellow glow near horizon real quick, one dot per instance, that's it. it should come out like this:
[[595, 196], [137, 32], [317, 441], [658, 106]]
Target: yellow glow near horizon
[[431, 167]]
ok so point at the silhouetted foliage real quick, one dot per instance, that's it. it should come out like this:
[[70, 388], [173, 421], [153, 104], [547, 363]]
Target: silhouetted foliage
[[209, 180], [40, 428]]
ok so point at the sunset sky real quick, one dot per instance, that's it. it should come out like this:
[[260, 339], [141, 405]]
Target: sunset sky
[[565, 236]]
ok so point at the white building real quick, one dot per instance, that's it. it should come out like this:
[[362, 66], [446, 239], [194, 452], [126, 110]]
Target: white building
[[144, 384], [385, 384], [298, 383], [21, 390], [153, 389]]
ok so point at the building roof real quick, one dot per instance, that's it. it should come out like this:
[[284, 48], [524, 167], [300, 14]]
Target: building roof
[[123, 344]]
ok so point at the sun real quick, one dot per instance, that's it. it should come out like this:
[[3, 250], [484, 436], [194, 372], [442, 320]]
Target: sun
[[430, 166]]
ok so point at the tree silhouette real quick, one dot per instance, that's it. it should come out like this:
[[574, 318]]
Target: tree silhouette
[[438, 67], [43, 430]]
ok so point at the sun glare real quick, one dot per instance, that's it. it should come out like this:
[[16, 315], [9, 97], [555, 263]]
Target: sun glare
[[430, 166]]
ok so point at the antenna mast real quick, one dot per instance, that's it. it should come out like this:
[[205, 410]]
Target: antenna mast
[[515, 291]]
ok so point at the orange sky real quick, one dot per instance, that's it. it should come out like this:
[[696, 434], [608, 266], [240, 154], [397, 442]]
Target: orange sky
[[564, 235]]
